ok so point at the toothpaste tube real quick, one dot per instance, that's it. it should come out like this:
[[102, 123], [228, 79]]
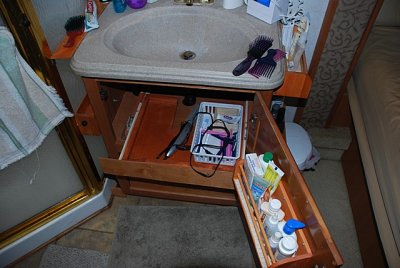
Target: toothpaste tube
[[258, 185], [91, 22], [273, 176]]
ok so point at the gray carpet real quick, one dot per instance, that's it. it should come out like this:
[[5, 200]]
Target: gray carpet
[[328, 187], [149, 236], [65, 257]]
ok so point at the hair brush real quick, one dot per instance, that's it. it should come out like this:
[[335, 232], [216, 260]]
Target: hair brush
[[74, 27], [256, 49]]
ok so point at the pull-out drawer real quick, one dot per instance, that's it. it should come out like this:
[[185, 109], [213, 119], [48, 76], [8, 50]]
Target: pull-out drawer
[[156, 120], [316, 247], [253, 220]]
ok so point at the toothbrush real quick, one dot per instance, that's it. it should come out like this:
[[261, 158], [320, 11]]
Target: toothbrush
[[256, 49]]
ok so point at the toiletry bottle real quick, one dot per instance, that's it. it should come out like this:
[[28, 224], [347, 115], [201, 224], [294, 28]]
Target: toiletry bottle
[[273, 207], [119, 6], [263, 210], [286, 248], [294, 64], [288, 228], [274, 241], [270, 208], [264, 159], [271, 225]]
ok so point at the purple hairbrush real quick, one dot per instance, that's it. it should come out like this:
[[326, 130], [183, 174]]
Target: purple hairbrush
[[265, 66], [256, 50]]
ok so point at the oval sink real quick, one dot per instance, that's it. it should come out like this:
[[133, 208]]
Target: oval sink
[[166, 36], [163, 42]]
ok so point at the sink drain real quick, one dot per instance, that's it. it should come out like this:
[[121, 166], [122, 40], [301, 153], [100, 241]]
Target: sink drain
[[188, 55]]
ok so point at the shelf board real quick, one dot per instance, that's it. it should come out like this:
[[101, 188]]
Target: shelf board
[[62, 52]]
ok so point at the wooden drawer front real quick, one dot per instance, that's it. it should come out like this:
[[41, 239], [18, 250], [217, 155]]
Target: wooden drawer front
[[157, 121], [317, 244], [85, 119], [258, 235]]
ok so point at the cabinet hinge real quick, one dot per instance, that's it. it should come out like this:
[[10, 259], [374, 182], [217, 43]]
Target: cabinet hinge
[[103, 94]]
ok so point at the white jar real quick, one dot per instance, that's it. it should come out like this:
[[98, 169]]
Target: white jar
[[270, 208], [287, 247]]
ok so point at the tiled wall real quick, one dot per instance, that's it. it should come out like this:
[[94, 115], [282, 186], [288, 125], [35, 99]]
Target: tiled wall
[[348, 25]]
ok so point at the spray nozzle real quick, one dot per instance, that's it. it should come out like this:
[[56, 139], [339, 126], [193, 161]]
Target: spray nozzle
[[292, 225]]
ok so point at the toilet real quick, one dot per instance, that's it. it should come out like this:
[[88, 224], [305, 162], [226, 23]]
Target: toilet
[[300, 145]]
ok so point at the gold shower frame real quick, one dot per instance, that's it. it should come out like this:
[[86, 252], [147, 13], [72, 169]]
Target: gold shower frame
[[20, 17]]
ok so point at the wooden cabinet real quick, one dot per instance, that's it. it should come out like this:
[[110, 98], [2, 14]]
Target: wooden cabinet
[[137, 120]]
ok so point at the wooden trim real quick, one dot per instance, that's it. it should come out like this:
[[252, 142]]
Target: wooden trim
[[323, 35], [179, 192], [85, 120], [336, 107], [295, 85], [371, 249], [92, 89], [62, 52], [183, 86], [176, 173]]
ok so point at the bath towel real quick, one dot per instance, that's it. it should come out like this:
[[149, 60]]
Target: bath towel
[[29, 109]]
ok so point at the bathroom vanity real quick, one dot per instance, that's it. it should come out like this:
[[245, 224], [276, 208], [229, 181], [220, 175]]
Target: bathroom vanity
[[137, 84]]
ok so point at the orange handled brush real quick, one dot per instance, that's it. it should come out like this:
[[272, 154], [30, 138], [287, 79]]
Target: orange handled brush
[[74, 27]]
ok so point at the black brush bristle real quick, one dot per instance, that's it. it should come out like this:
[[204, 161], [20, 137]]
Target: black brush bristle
[[259, 46], [75, 24], [256, 49]]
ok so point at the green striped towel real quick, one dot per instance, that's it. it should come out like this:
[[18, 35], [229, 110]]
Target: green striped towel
[[29, 109]]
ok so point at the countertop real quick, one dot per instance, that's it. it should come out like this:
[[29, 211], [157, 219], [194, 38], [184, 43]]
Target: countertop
[[98, 57]]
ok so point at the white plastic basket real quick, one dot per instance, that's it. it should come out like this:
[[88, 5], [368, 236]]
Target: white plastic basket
[[203, 121]]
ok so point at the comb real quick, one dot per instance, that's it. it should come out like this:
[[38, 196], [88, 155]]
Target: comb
[[265, 66], [256, 50]]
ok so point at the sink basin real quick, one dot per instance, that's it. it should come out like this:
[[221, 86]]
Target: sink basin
[[167, 36], [163, 42]]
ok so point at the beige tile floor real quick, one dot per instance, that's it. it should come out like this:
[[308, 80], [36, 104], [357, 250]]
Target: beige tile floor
[[98, 232]]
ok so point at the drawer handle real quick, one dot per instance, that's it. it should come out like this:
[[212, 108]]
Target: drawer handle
[[253, 118], [84, 123]]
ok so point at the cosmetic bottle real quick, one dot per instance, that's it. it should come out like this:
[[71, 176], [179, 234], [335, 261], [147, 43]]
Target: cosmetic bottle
[[288, 228], [136, 4], [270, 208], [271, 225], [274, 241], [287, 247], [264, 159], [119, 6], [294, 62]]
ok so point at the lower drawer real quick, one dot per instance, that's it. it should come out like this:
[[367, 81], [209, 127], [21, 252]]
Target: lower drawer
[[156, 121]]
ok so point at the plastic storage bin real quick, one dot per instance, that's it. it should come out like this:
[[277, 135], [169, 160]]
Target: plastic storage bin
[[203, 121]]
